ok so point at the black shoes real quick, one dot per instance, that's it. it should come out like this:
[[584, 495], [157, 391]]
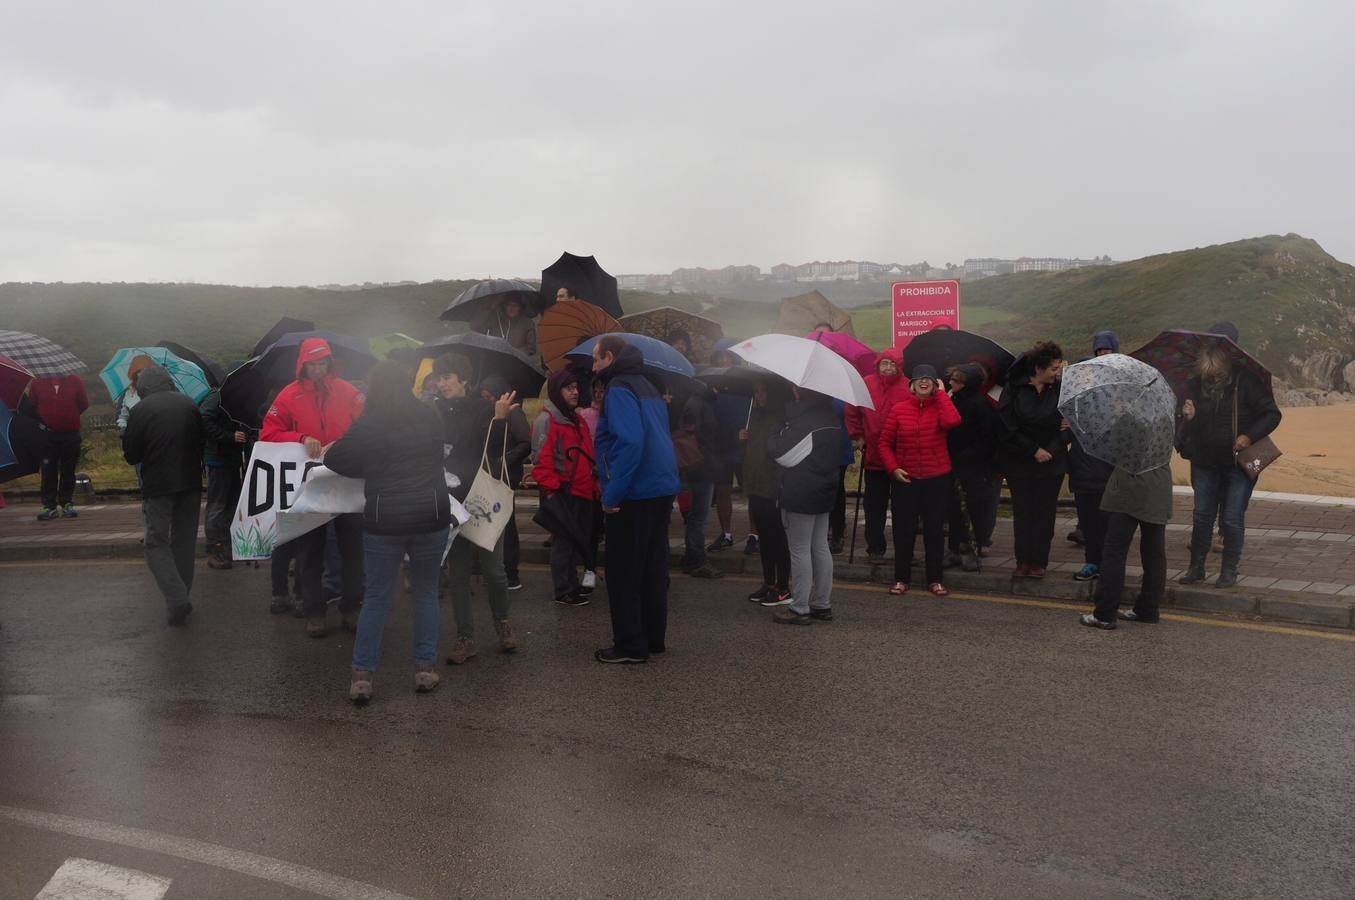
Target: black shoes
[[1092, 622], [179, 614], [721, 543], [572, 600], [1227, 578], [612, 655], [789, 616], [821, 615]]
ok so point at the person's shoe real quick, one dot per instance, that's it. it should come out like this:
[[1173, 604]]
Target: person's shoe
[[1076, 537], [281, 604], [463, 650], [706, 571], [790, 617], [360, 688], [49, 513], [835, 546], [969, 562], [721, 543], [514, 583], [348, 621], [588, 582], [179, 614], [1022, 570], [1194, 575], [939, 589], [1092, 622], [1130, 616], [572, 600], [657, 649], [1087, 572], [821, 615], [776, 597], [426, 678], [219, 561], [507, 642], [316, 626], [760, 594], [68, 512], [1036, 572], [752, 546], [899, 589], [612, 655], [1227, 578], [298, 609]]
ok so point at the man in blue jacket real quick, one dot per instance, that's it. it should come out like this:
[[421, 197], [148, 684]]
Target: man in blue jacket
[[637, 469]]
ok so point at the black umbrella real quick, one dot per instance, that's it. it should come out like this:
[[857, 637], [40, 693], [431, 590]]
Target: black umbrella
[[22, 443], [738, 379], [475, 303], [215, 372], [283, 326], [245, 390], [588, 280], [554, 516], [492, 356], [942, 348]]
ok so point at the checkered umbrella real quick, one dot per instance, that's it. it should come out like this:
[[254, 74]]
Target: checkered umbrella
[[44, 358], [1122, 411]]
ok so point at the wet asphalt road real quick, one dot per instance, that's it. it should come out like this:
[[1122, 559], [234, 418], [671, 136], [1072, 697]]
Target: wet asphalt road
[[913, 747]]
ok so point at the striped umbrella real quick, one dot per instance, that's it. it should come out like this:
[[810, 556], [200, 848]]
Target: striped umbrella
[[187, 377], [44, 358], [14, 379]]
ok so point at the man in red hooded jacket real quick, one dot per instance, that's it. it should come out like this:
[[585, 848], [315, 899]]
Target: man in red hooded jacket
[[887, 387], [316, 410]]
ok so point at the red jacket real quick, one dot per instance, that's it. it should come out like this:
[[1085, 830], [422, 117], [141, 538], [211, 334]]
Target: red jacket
[[914, 436], [557, 468], [304, 409], [59, 401], [866, 424]]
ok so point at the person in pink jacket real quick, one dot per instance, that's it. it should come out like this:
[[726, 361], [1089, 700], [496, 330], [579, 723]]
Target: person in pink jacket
[[913, 449]]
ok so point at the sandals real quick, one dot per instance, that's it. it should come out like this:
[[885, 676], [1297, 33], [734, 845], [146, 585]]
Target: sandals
[[939, 589], [899, 589]]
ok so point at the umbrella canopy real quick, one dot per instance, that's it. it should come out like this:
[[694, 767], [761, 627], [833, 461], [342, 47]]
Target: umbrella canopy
[[384, 346], [22, 441], [806, 364], [492, 356], [1121, 410], [659, 357], [283, 326], [187, 378], [849, 348], [566, 325], [662, 322], [476, 302], [806, 312], [942, 348], [14, 380], [215, 372], [1175, 353], [588, 280], [41, 357]]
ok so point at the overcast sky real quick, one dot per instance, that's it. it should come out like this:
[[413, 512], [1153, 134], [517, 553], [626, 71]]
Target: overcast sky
[[300, 143]]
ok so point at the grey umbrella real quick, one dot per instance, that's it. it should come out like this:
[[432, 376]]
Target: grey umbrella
[[40, 356], [1121, 410], [479, 301]]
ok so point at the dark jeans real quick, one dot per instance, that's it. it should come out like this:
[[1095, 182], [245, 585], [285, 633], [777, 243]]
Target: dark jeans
[[1120, 529], [772, 546], [980, 489], [565, 557], [837, 518], [703, 494], [382, 556], [279, 564], [171, 542], [512, 546], [310, 565], [1221, 494], [1035, 502], [878, 494], [637, 574], [1093, 523], [58, 467], [223, 492], [930, 499], [461, 558]]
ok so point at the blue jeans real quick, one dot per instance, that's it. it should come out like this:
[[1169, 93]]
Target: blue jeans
[[1222, 495], [703, 492], [383, 554]]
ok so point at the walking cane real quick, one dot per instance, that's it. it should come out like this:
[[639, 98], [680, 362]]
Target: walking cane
[[969, 523], [856, 516]]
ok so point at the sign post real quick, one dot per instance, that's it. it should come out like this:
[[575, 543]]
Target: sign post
[[923, 305]]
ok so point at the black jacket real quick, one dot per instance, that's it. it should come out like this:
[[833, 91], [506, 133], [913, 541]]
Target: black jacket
[[1086, 472], [700, 415], [406, 488], [1207, 441], [1031, 420], [973, 443], [465, 422], [164, 434], [219, 430], [810, 486]]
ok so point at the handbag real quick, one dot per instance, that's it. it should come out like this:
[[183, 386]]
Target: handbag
[[489, 502], [1254, 459], [687, 448]]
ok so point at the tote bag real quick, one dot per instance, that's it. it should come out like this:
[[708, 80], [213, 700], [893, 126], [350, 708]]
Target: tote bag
[[489, 503]]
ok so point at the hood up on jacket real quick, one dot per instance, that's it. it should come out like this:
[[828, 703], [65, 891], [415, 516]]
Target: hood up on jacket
[[313, 349], [153, 379], [555, 391], [887, 381], [975, 379], [1105, 340]]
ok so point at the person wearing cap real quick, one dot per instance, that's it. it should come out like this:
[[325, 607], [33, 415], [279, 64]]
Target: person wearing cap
[[316, 410], [913, 449]]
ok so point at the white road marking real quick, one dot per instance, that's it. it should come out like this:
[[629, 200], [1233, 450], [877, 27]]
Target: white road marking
[[85, 879], [265, 868]]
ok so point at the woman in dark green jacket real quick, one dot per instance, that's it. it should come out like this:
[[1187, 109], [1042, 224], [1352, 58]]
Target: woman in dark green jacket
[[758, 478]]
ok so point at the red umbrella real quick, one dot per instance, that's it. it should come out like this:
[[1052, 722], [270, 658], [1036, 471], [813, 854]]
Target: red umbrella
[[849, 348], [1174, 354], [14, 379]]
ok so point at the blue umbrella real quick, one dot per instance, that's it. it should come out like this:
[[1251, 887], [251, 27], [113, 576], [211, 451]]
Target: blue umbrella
[[21, 444], [188, 378], [659, 357]]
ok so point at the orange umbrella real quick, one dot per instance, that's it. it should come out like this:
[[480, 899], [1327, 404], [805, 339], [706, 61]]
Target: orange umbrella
[[568, 324]]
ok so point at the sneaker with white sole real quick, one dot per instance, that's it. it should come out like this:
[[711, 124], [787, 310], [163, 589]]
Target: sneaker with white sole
[[777, 598], [588, 582], [1087, 572]]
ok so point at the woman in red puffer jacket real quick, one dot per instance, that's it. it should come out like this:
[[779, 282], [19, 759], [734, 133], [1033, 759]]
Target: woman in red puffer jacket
[[887, 387], [913, 449]]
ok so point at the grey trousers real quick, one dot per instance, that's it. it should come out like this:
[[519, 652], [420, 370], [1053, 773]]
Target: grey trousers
[[171, 542], [458, 575], [811, 562]]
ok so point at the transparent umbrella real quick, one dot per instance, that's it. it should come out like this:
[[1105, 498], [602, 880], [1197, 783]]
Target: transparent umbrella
[[1122, 411]]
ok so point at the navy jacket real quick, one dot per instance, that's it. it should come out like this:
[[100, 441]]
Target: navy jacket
[[808, 453]]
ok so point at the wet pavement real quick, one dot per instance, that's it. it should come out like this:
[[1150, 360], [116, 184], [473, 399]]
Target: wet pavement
[[913, 747]]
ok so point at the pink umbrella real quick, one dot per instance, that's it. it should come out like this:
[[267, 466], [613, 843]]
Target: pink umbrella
[[849, 348], [13, 379]]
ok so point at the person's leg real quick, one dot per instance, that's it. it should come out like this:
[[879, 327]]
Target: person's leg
[[625, 570], [655, 579], [425, 566], [496, 580], [935, 496], [1115, 552], [799, 540], [905, 529], [70, 458], [279, 566], [1208, 487], [761, 510], [1047, 509], [458, 585], [837, 523], [183, 534], [1237, 495], [702, 493], [1091, 520], [993, 498], [724, 505], [876, 503], [382, 555], [821, 595], [158, 513], [512, 547], [51, 465], [349, 537], [310, 565], [1022, 513], [1153, 558], [563, 555], [218, 516]]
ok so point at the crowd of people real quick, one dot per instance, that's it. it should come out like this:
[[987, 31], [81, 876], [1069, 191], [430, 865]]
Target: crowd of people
[[617, 448]]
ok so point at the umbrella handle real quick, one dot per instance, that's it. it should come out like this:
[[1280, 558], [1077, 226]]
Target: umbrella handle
[[749, 421], [856, 516]]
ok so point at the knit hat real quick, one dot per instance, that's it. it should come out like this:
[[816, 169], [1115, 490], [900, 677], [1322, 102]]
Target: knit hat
[[1227, 329], [922, 370]]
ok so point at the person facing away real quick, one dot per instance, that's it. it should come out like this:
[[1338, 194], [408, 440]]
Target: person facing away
[[59, 402], [698, 425], [1133, 502], [396, 446], [164, 436], [564, 471], [637, 468], [316, 410], [887, 386]]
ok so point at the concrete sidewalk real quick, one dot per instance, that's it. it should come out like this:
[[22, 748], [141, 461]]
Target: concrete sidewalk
[[1298, 565]]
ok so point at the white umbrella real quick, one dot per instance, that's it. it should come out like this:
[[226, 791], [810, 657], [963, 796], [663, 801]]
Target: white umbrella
[[806, 364]]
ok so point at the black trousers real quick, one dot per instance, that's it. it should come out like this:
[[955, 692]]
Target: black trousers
[[565, 557], [878, 495], [1035, 502], [512, 548], [1120, 529], [772, 544], [1093, 523], [837, 519], [930, 499], [980, 486], [637, 574], [279, 564], [310, 565], [59, 458], [223, 492]]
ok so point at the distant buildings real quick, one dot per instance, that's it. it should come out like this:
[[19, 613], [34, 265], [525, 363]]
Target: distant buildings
[[986, 267]]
